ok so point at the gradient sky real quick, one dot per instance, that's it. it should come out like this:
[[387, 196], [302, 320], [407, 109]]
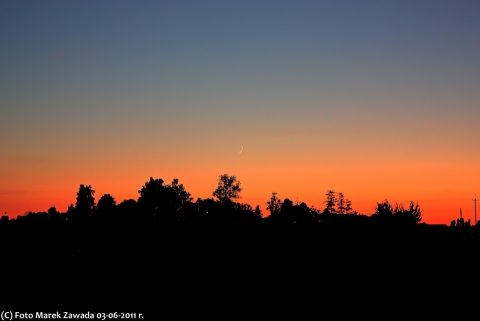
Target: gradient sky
[[375, 99]]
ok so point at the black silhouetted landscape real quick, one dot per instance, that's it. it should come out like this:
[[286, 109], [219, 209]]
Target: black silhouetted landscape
[[170, 257]]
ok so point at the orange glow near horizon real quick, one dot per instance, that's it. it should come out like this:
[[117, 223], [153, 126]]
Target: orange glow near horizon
[[439, 185], [440, 204]]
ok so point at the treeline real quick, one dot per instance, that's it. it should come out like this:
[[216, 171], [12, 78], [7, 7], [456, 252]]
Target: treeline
[[171, 204], [142, 254]]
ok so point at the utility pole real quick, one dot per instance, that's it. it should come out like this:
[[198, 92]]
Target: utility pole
[[475, 206], [460, 221]]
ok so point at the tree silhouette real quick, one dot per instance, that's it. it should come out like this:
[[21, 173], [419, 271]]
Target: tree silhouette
[[70, 212], [348, 207], [38, 217], [243, 212], [182, 195], [154, 200], [341, 203], [127, 209], [85, 203], [243, 207], [330, 202], [163, 202], [53, 213], [410, 216], [228, 188], [106, 207], [286, 214], [385, 212], [206, 208], [258, 212], [384, 209], [303, 214], [274, 204], [286, 206]]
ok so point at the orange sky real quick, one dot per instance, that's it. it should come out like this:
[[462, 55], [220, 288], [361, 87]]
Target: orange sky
[[441, 188]]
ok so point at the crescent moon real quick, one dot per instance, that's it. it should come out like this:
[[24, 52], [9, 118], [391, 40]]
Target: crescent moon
[[241, 150]]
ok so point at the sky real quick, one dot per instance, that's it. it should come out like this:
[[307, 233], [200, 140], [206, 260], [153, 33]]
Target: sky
[[375, 99]]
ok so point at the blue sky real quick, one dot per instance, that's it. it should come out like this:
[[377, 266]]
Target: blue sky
[[184, 83]]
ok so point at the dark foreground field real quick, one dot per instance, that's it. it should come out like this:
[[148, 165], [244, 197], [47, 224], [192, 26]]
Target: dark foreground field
[[259, 274]]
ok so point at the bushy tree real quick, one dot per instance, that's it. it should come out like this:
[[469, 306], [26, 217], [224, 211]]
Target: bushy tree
[[127, 210], [410, 216], [183, 196], [384, 209], [228, 188], [106, 207], [398, 214], [153, 200], [287, 207], [53, 213], [163, 202]]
